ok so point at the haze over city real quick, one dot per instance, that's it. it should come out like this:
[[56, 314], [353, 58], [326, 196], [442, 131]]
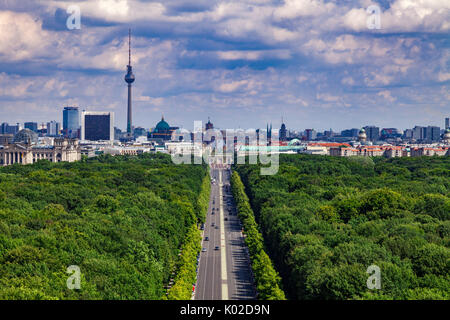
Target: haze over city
[[243, 63]]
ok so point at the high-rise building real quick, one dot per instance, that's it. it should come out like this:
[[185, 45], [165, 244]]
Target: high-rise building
[[139, 132], [372, 132], [447, 123], [71, 122], [390, 133], [33, 126], [282, 134], [96, 126], [432, 134], [350, 132], [5, 128], [53, 128], [408, 134], [310, 134], [129, 79], [418, 133]]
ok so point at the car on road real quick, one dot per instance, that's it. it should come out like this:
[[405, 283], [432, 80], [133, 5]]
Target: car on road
[[226, 219], [212, 224], [206, 238], [216, 248], [204, 250]]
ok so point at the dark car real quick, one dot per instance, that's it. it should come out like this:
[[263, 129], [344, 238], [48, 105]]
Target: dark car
[[216, 248], [206, 238], [226, 219]]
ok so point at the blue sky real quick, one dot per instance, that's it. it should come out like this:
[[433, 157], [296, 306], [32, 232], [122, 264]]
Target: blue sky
[[314, 63]]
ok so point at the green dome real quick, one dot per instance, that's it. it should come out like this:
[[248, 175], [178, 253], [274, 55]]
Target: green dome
[[162, 126]]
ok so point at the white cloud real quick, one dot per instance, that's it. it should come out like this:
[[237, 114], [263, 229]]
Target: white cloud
[[443, 76], [21, 37], [386, 94]]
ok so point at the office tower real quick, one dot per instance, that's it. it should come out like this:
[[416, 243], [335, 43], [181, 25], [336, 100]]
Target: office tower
[[372, 132], [129, 78], [432, 134], [139, 132], [390, 133], [5, 128], [53, 128], [310, 134], [282, 133], [447, 123], [350, 132], [418, 133], [408, 134], [33, 126], [97, 126], [71, 122]]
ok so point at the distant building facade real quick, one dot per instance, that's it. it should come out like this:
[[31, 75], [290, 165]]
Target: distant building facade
[[25, 150], [53, 129], [33, 126], [372, 132], [5, 128], [96, 126], [71, 122], [432, 134], [162, 132]]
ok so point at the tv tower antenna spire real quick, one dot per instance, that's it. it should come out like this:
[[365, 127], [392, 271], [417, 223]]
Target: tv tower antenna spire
[[129, 47], [129, 78]]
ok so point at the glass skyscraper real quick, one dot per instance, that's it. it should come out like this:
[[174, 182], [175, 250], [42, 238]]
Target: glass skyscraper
[[71, 122]]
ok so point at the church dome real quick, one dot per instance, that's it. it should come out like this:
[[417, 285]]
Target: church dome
[[362, 135], [162, 126], [26, 136], [447, 135]]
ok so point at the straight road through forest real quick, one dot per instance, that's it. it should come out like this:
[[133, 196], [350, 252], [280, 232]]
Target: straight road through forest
[[224, 269]]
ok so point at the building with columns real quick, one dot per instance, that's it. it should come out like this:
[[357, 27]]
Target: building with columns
[[25, 150]]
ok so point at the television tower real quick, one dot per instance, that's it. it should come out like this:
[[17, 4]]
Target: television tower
[[129, 78]]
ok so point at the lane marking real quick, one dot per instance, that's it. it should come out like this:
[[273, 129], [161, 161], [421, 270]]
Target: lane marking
[[223, 252]]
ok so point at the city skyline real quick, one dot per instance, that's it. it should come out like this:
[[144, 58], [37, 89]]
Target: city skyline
[[193, 61]]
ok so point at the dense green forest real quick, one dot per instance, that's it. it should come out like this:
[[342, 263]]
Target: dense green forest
[[325, 220], [121, 219]]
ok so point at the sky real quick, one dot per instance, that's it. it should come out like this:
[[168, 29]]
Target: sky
[[313, 63]]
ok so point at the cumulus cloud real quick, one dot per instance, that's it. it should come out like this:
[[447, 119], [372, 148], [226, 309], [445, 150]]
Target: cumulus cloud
[[243, 57], [22, 37]]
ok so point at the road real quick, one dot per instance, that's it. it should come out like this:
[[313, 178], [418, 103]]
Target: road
[[224, 273]]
